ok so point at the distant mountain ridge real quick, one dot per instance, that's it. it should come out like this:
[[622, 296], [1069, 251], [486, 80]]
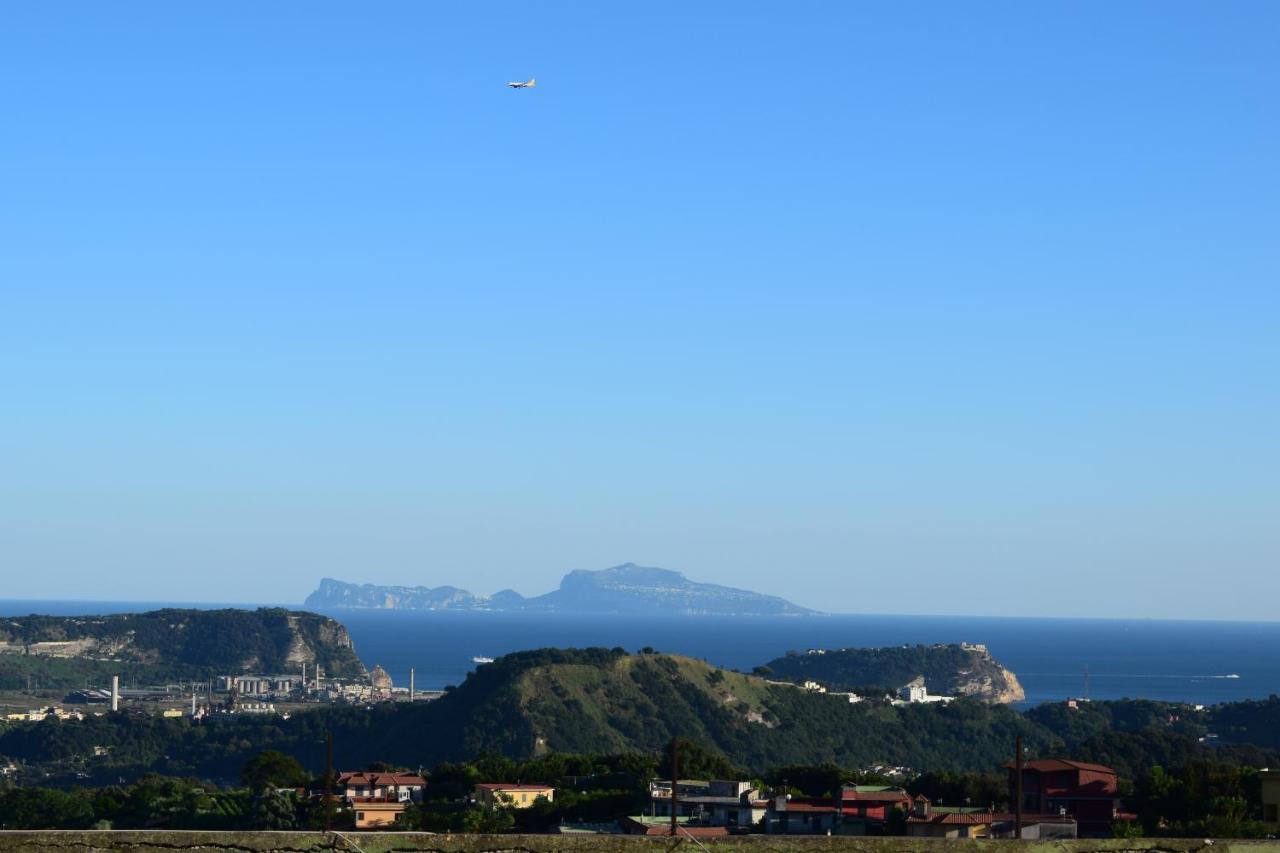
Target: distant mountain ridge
[[627, 588]]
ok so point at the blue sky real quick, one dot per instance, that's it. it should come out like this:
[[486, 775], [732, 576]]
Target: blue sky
[[895, 307]]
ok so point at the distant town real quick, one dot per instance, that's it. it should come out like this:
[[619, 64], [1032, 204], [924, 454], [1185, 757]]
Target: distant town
[[227, 694]]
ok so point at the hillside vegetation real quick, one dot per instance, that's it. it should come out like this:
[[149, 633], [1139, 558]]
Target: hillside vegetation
[[536, 703], [171, 644], [947, 670], [597, 700]]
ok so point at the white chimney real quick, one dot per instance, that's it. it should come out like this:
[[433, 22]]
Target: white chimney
[[115, 693], [410, 684]]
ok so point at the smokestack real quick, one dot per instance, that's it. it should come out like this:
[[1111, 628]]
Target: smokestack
[[410, 684], [193, 700], [115, 693]]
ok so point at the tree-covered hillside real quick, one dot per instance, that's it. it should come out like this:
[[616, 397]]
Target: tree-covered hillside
[[532, 703], [606, 701]]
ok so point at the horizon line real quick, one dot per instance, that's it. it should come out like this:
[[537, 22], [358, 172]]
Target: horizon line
[[248, 605]]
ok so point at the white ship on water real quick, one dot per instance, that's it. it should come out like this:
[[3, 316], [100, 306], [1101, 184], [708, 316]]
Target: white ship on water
[[481, 660]]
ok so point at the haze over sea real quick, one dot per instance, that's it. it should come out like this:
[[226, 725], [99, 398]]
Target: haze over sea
[[1151, 659]]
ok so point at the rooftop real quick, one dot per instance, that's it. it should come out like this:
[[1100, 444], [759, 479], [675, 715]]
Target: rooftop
[[1052, 765], [362, 777]]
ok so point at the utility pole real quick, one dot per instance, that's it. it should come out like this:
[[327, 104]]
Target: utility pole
[[1017, 806], [328, 782], [675, 783]]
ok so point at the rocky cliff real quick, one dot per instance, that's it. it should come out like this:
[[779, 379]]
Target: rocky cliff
[[963, 669], [190, 642]]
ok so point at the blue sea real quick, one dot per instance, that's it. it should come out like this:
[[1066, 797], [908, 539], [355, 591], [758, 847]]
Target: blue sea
[[1189, 661]]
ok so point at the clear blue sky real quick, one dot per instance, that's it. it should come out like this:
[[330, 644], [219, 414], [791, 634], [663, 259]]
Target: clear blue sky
[[897, 307]]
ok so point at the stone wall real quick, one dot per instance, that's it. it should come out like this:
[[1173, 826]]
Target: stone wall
[[149, 841]]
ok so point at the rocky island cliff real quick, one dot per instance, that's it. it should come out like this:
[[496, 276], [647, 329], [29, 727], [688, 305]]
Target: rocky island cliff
[[959, 669]]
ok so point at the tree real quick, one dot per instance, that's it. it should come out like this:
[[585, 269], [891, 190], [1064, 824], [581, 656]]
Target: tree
[[699, 762], [272, 810], [44, 808], [487, 821], [272, 769], [818, 780]]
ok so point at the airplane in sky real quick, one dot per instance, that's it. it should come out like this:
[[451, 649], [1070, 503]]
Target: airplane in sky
[[528, 85]]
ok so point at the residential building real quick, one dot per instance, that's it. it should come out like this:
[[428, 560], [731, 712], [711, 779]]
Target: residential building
[[916, 692], [719, 802], [1086, 792], [789, 815], [861, 810], [377, 814], [390, 787], [873, 804], [929, 821], [492, 794], [955, 823], [1270, 798]]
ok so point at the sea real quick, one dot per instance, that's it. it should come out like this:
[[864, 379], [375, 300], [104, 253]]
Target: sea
[[1203, 662]]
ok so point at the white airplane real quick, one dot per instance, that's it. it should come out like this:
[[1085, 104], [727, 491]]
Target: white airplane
[[527, 85]]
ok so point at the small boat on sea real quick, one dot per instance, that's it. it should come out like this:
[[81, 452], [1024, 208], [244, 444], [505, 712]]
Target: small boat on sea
[[481, 660]]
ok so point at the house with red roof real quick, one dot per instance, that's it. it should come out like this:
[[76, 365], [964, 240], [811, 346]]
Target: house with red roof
[[368, 786], [860, 810], [377, 798], [929, 821], [1087, 792]]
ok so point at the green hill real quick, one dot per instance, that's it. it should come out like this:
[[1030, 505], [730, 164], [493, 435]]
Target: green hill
[[534, 703], [596, 700], [171, 644]]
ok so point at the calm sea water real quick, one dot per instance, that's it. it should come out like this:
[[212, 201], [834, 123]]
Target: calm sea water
[[1151, 659]]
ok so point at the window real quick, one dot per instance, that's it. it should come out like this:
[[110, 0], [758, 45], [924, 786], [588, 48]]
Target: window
[[359, 815], [1271, 812]]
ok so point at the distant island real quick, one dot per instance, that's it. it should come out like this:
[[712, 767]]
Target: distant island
[[627, 588], [943, 670]]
